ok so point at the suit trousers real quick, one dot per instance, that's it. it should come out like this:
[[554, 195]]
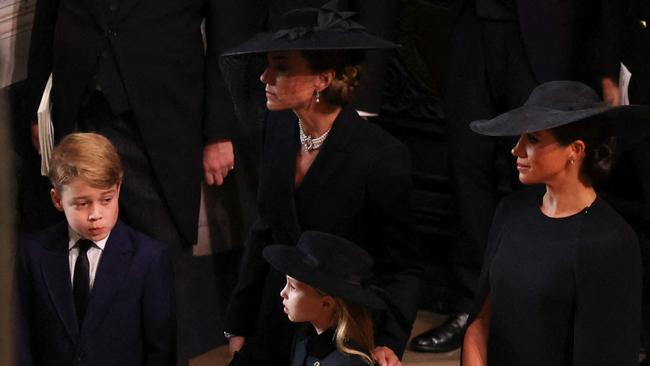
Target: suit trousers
[[488, 73], [143, 206]]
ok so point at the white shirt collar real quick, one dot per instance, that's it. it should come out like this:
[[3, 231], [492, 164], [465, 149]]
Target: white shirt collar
[[74, 238]]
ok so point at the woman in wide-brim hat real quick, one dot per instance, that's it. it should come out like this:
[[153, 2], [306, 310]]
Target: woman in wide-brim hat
[[322, 168], [561, 278]]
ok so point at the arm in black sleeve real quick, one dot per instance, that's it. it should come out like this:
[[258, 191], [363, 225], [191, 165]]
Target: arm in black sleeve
[[611, 29], [159, 312], [606, 327], [391, 223], [227, 23], [39, 64], [246, 298]]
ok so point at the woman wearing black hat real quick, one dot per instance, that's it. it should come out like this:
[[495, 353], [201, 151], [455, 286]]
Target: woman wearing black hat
[[561, 279], [322, 168]]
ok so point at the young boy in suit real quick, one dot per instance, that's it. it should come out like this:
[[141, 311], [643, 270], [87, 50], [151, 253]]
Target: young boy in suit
[[93, 290]]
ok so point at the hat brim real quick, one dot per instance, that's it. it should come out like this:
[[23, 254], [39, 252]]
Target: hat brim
[[289, 260], [630, 123], [322, 40]]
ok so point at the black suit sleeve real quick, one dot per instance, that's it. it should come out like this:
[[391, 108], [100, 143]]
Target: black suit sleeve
[[381, 19], [39, 64], [227, 23], [609, 51], [159, 313], [390, 221], [244, 305]]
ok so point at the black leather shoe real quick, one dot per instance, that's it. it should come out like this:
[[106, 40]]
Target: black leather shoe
[[444, 338]]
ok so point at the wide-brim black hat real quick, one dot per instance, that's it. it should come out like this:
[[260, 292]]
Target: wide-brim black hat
[[557, 103], [329, 263], [324, 28]]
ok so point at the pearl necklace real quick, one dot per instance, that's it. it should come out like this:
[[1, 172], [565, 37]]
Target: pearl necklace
[[311, 143]]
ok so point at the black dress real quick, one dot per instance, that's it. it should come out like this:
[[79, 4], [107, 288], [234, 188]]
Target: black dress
[[565, 291], [359, 188]]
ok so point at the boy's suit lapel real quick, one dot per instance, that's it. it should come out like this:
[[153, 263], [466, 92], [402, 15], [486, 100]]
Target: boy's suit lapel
[[55, 268], [112, 270]]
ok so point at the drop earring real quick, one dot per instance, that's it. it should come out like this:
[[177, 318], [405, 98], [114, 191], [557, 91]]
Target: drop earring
[[317, 96]]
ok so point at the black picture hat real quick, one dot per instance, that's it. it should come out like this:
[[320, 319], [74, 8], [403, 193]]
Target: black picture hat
[[329, 263], [557, 103], [325, 28]]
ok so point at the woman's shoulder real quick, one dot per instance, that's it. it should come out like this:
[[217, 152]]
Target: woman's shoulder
[[603, 224]]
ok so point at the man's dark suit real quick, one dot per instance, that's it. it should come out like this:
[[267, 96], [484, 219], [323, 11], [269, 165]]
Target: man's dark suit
[[130, 318], [173, 87], [499, 51], [358, 187]]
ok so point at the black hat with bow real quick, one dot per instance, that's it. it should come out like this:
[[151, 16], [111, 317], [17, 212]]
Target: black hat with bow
[[329, 263], [325, 28]]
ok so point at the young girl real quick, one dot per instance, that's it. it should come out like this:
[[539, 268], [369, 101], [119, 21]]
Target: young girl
[[328, 286]]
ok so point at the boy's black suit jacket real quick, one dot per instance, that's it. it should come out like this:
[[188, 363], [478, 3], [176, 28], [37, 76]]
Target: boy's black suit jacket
[[358, 187], [130, 320]]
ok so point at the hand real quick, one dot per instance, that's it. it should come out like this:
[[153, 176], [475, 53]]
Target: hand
[[35, 142], [218, 160], [385, 356], [611, 91], [235, 343]]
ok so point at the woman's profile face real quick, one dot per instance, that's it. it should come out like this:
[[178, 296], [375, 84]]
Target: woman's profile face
[[541, 158], [290, 83]]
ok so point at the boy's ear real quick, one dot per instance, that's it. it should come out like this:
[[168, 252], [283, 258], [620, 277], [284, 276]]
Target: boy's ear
[[56, 199]]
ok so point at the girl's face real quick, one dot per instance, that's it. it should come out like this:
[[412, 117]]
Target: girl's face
[[290, 83], [302, 303], [541, 158]]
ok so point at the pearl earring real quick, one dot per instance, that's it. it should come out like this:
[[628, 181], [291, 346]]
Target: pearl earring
[[317, 96]]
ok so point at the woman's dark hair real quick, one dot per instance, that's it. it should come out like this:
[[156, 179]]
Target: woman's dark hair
[[347, 67], [600, 145]]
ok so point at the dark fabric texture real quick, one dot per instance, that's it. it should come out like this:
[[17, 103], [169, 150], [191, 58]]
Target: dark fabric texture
[[130, 318], [493, 65], [561, 287], [359, 188], [173, 85], [309, 348]]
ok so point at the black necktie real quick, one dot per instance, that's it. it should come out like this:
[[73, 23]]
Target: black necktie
[[81, 280]]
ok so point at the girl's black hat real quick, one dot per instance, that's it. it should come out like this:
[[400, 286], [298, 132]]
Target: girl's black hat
[[329, 263], [325, 28]]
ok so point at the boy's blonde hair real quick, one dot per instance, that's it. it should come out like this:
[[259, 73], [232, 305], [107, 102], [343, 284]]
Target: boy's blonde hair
[[88, 156]]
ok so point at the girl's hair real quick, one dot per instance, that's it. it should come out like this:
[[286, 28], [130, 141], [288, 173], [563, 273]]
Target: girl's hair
[[600, 146], [354, 323], [347, 67]]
